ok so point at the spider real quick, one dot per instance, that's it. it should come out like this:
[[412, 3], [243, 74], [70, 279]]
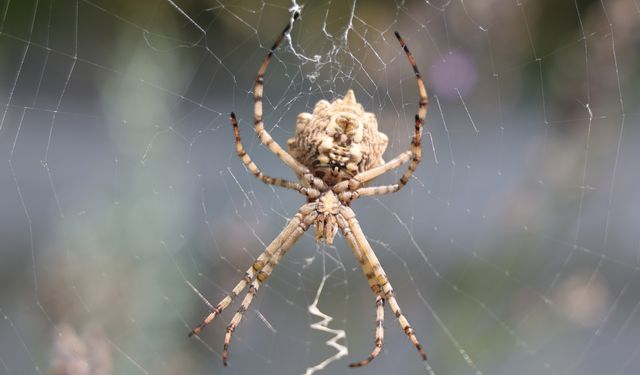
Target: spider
[[334, 152]]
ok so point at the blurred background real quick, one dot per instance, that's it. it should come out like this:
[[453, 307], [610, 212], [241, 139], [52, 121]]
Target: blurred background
[[514, 250]]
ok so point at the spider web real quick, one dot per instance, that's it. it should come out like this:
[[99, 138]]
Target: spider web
[[514, 249]]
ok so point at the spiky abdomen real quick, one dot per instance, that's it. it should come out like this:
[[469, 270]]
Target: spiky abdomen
[[338, 140]]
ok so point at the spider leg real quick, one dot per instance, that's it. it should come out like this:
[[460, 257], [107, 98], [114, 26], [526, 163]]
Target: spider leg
[[264, 136], [262, 261], [363, 177], [379, 334], [371, 280], [251, 166], [385, 189], [364, 263], [262, 276], [414, 153], [361, 246]]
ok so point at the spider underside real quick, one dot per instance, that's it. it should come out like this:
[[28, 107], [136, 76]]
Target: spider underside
[[334, 151]]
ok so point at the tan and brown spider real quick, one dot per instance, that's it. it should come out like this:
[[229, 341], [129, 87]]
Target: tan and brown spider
[[334, 152]]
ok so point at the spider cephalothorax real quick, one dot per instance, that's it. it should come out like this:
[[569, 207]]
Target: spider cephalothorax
[[334, 152], [327, 224], [338, 140]]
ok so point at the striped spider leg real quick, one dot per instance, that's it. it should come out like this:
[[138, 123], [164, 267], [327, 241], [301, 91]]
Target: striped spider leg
[[353, 186], [278, 244], [378, 281], [309, 215], [351, 189]]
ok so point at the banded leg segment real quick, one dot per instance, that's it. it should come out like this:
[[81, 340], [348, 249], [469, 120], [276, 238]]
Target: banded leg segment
[[415, 160], [402, 320], [359, 243], [364, 263], [379, 334], [414, 153], [261, 277], [423, 103], [375, 287], [251, 166], [377, 280], [356, 181], [262, 260], [264, 136]]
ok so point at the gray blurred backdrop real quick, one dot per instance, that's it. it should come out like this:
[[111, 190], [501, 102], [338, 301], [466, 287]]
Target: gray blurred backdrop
[[514, 250]]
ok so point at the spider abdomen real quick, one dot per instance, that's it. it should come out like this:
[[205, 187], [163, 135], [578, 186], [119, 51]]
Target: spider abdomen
[[338, 140]]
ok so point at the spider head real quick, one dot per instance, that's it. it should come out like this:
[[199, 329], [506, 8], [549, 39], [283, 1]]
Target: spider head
[[338, 140]]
